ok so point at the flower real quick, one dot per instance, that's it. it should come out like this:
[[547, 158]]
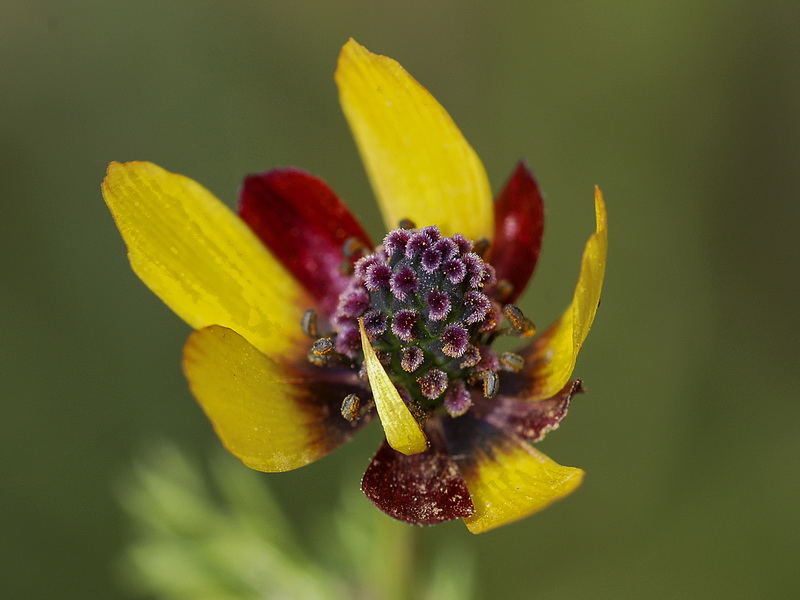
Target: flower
[[304, 330]]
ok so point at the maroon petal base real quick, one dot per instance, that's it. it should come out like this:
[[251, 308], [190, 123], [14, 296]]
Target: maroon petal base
[[422, 489], [532, 420], [304, 224], [518, 229], [326, 390]]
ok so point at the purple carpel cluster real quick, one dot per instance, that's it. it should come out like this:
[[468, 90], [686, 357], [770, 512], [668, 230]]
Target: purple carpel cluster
[[427, 308]]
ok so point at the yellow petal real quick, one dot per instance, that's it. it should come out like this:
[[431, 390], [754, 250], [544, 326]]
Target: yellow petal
[[555, 352], [512, 482], [266, 415], [403, 433], [196, 255], [419, 163]]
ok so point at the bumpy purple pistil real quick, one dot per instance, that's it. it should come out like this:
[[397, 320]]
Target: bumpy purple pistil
[[428, 308]]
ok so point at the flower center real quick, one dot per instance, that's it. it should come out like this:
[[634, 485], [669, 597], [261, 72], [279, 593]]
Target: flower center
[[430, 307]]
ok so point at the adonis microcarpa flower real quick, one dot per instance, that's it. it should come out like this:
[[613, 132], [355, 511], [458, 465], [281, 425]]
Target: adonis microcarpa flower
[[305, 330]]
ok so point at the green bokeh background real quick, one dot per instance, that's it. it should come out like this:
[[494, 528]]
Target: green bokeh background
[[685, 113]]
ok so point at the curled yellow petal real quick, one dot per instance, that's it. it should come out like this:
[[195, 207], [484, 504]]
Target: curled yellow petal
[[419, 163], [555, 352], [512, 482], [403, 433], [196, 255], [266, 415]]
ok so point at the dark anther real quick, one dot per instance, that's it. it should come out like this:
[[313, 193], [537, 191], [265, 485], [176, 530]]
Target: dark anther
[[350, 407], [384, 357], [420, 414], [511, 361], [346, 267], [521, 324], [504, 289], [309, 323], [480, 247], [352, 247], [322, 346], [406, 224], [471, 357], [318, 360], [491, 383], [319, 357]]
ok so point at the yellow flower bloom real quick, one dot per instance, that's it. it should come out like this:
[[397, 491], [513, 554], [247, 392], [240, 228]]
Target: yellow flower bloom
[[305, 331]]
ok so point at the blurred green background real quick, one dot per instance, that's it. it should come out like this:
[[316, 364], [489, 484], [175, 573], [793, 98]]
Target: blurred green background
[[685, 113]]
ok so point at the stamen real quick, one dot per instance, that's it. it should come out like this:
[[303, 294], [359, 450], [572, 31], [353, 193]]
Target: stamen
[[322, 346], [309, 323], [433, 384], [346, 267], [512, 362], [503, 289], [350, 407], [353, 246], [384, 357], [318, 360], [480, 247], [472, 356], [406, 224], [420, 414], [328, 359], [521, 324], [491, 383]]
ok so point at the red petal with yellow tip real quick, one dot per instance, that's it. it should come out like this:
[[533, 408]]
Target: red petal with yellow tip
[[269, 416], [422, 489], [518, 229], [507, 478], [305, 225], [529, 420]]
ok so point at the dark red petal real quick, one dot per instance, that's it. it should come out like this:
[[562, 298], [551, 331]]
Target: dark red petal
[[422, 489], [305, 225], [529, 420], [518, 228]]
